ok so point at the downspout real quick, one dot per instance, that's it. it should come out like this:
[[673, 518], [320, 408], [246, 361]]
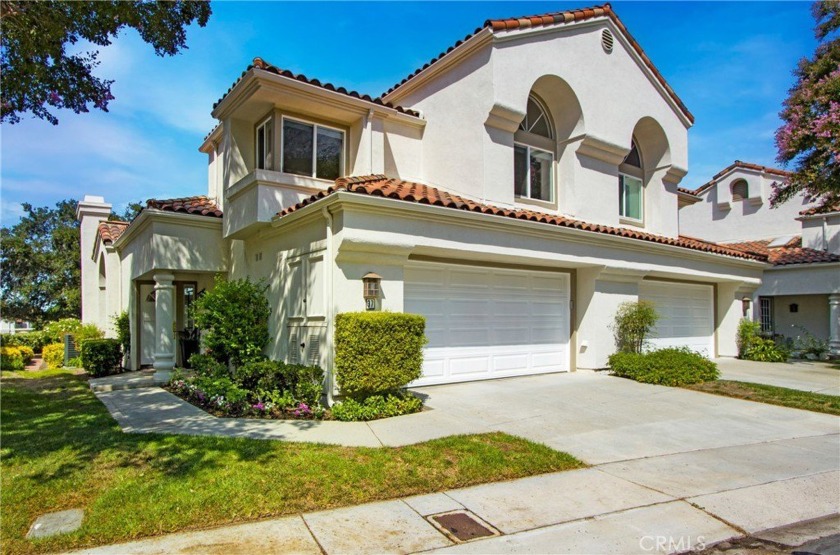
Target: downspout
[[370, 140], [825, 234], [330, 258]]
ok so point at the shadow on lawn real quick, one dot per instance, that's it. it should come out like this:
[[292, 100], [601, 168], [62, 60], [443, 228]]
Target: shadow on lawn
[[59, 418]]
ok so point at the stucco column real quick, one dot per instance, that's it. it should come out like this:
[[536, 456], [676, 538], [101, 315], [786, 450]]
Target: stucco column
[[164, 334], [834, 324]]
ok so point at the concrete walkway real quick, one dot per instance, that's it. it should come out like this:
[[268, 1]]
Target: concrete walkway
[[814, 376], [667, 463]]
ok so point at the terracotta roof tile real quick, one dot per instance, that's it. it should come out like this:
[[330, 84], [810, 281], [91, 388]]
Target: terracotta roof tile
[[826, 207], [382, 186], [744, 165], [199, 205], [260, 64], [111, 230], [557, 18], [790, 253]]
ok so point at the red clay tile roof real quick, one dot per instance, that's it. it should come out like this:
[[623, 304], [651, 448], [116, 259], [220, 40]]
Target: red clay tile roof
[[685, 191], [382, 186], [111, 230], [262, 65], [826, 207], [199, 205], [740, 164], [559, 18], [790, 253]]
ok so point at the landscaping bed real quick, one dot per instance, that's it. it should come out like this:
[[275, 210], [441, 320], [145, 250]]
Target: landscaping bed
[[61, 450]]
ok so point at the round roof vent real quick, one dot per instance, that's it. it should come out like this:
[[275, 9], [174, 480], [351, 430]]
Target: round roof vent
[[607, 40]]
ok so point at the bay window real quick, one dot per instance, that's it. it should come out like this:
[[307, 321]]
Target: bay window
[[312, 150]]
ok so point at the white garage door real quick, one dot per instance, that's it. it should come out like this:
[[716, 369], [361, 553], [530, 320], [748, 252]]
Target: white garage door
[[487, 323], [686, 315]]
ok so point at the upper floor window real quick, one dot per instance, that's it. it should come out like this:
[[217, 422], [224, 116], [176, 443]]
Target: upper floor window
[[533, 156], [264, 145], [740, 190], [312, 150], [631, 186]]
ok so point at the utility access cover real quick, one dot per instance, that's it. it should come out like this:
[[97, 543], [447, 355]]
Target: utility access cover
[[463, 526]]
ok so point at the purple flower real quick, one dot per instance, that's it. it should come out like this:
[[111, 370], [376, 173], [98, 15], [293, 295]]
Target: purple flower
[[259, 406]]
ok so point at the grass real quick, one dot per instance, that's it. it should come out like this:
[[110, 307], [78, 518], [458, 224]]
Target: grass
[[61, 449], [793, 398]]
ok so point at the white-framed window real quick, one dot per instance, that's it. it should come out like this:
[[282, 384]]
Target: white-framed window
[[533, 169], [264, 145], [312, 150], [631, 187], [533, 159]]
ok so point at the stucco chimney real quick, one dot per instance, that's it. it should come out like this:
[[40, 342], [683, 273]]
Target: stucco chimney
[[90, 212]]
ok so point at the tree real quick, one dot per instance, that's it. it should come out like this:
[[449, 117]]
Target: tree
[[132, 210], [41, 265], [37, 71], [810, 135]]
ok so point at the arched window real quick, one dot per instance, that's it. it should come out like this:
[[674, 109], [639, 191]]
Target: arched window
[[631, 185], [740, 190], [533, 154]]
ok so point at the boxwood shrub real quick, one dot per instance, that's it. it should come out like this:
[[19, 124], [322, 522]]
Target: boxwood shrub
[[53, 355], [377, 352], [673, 367], [376, 406], [101, 357], [11, 358]]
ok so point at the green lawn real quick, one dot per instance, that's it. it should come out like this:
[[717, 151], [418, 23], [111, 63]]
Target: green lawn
[[61, 449], [773, 395]]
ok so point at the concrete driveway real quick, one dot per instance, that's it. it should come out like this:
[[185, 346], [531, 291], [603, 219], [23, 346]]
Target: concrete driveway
[[818, 377]]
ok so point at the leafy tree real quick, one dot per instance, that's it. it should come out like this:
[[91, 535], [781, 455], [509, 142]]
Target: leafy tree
[[810, 135], [632, 325], [41, 265], [37, 71], [131, 211]]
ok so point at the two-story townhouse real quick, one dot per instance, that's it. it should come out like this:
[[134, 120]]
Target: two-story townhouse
[[801, 239], [515, 191]]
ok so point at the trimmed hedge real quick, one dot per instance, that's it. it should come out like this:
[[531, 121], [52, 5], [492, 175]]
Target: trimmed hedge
[[33, 339], [53, 355], [376, 406], [674, 367], [11, 358], [377, 352], [304, 383], [101, 357], [28, 353]]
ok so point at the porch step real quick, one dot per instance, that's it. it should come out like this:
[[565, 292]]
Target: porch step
[[129, 380]]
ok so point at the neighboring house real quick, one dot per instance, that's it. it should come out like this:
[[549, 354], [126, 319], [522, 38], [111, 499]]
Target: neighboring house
[[16, 326], [515, 191], [800, 238]]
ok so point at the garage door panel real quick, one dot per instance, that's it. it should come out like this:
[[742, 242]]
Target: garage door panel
[[686, 315], [484, 323]]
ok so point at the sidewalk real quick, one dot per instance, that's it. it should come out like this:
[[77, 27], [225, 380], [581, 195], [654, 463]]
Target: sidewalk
[[804, 375]]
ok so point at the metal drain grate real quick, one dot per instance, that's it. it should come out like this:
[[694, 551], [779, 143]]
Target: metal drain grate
[[462, 526]]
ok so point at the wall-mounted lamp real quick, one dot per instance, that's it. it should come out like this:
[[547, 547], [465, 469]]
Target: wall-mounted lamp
[[371, 290], [794, 307], [745, 305]]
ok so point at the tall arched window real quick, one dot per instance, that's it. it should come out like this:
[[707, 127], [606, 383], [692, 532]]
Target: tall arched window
[[533, 154], [740, 190], [631, 177]]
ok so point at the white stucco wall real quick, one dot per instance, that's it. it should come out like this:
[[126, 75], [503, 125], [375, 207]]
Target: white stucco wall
[[812, 314], [718, 218], [822, 233], [91, 212]]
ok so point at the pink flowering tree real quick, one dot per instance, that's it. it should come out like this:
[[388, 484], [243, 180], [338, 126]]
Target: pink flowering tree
[[809, 139]]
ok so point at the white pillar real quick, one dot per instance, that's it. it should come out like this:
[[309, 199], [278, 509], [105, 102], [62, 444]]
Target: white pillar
[[164, 334], [834, 324]]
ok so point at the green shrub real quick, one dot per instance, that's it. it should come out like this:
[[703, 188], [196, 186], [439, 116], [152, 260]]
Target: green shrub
[[304, 383], [377, 406], [75, 362], [377, 352], [809, 344], [206, 365], [122, 325], [101, 357], [11, 358], [27, 353], [752, 346], [54, 332], [53, 355], [748, 332], [221, 387], [632, 325], [234, 319], [32, 339], [674, 367]]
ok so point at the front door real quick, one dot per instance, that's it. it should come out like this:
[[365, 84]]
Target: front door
[[147, 324]]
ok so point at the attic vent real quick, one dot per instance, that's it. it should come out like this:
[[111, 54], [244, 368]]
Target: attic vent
[[607, 40]]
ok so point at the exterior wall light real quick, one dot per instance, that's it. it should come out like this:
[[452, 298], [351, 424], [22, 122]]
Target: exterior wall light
[[371, 290], [745, 305]]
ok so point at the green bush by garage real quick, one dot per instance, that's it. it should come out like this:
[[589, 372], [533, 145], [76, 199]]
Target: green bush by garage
[[674, 367]]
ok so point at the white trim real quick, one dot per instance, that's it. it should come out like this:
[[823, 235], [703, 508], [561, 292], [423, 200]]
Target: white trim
[[315, 126], [528, 148], [268, 145]]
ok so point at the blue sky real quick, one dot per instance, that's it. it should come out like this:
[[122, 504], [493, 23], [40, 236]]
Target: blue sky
[[731, 64]]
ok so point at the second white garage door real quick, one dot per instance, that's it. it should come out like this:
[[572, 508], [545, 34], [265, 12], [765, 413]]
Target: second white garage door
[[686, 315], [487, 323]]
